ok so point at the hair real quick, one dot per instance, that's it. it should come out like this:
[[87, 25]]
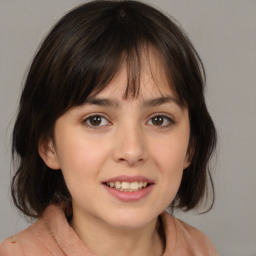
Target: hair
[[80, 56]]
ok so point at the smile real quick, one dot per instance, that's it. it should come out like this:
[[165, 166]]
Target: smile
[[127, 186]]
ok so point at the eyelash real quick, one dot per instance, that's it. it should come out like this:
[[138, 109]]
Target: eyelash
[[87, 119], [164, 117]]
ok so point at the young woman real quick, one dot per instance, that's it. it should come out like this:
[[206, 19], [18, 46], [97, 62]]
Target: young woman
[[112, 130]]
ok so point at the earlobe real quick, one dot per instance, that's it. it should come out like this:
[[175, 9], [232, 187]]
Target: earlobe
[[48, 153], [186, 163], [188, 158]]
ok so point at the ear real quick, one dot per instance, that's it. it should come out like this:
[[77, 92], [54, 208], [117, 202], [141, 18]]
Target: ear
[[186, 162], [189, 156], [47, 152]]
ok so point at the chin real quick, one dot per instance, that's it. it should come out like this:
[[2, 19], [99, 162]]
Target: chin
[[131, 219]]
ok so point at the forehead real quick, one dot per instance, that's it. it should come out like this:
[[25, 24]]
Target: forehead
[[149, 81]]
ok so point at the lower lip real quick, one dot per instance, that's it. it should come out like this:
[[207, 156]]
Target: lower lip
[[129, 196]]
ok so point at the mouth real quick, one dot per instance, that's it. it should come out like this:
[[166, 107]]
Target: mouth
[[126, 186], [129, 188]]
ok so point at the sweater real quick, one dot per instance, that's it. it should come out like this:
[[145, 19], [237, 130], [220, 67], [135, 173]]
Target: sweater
[[51, 235]]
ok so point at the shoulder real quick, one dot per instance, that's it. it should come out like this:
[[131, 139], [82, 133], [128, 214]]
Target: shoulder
[[26, 242], [17, 244], [189, 240], [11, 246], [195, 239], [50, 235]]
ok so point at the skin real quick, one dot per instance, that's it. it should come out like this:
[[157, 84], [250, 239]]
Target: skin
[[127, 141]]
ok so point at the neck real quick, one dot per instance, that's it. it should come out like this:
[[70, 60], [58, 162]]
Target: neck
[[106, 240]]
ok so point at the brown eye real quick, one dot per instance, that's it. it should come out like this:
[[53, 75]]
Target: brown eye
[[96, 121], [157, 120], [160, 120]]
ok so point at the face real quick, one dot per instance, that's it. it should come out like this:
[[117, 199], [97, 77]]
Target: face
[[123, 160]]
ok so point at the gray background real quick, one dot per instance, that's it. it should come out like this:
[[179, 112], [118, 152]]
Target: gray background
[[224, 33]]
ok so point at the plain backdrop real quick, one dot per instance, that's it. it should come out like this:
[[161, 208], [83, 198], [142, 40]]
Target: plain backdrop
[[224, 33]]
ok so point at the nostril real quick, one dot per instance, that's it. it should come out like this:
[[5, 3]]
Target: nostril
[[129, 152]]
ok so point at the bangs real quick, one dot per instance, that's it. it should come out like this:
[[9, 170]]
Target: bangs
[[95, 61], [91, 53], [88, 47]]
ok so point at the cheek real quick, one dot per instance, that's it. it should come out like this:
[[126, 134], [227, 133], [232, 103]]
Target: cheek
[[171, 167], [171, 156], [81, 163], [170, 161], [171, 171], [76, 154]]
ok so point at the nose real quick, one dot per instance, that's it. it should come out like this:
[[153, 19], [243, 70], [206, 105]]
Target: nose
[[130, 146]]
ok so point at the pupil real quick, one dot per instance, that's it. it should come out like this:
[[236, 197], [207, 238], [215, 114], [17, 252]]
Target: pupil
[[96, 120], [158, 120]]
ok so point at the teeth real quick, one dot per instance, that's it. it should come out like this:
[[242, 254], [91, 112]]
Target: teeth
[[125, 185], [118, 184], [134, 185], [128, 186]]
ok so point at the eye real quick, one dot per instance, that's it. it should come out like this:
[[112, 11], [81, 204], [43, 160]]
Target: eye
[[160, 120], [95, 121]]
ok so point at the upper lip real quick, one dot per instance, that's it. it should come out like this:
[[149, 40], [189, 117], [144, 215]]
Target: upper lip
[[125, 178]]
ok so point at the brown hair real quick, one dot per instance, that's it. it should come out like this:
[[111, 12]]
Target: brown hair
[[81, 55]]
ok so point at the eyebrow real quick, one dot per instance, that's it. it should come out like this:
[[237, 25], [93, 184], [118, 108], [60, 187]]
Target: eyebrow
[[102, 102], [160, 101], [148, 103]]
